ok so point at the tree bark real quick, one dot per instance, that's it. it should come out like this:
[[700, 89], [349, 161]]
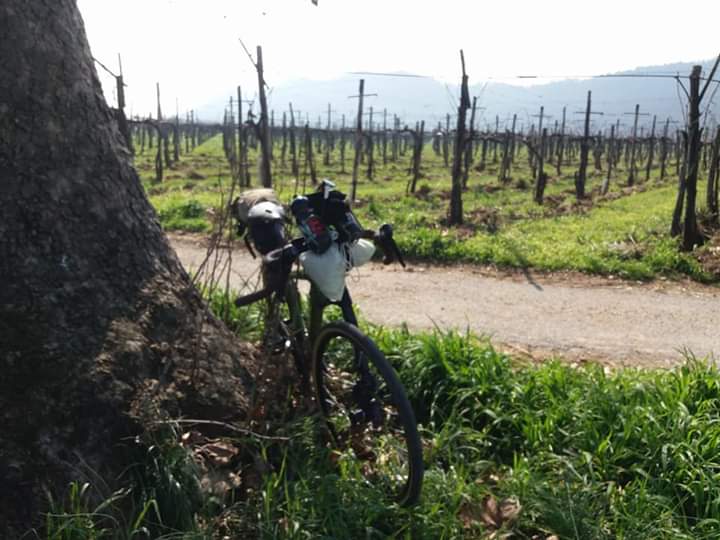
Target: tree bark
[[99, 323]]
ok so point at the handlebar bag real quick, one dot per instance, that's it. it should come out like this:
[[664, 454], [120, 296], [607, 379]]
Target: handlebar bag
[[335, 211], [247, 199]]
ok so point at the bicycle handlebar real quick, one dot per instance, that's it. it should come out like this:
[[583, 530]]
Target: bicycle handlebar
[[283, 258]]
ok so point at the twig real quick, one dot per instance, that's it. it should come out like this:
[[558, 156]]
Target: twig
[[224, 425], [252, 60], [710, 77]]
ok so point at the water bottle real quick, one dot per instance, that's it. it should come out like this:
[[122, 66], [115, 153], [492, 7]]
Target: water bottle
[[313, 229]]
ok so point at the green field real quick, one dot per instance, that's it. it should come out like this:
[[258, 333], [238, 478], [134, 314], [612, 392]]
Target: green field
[[624, 233]]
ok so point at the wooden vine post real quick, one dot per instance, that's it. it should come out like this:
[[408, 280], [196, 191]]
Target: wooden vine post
[[691, 235], [469, 145], [193, 130], [581, 174], [342, 144], [326, 156], [664, 150], [358, 141], [456, 212], [163, 139], [283, 146], [158, 155], [309, 159], [384, 138], [712, 202], [651, 149], [507, 152], [541, 178], [265, 172], [495, 138], [446, 141], [294, 167], [122, 119], [610, 152], [418, 142], [176, 133], [633, 146], [370, 148], [539, 163]]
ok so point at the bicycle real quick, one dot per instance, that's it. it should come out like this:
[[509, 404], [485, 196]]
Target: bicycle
[[363, 402]]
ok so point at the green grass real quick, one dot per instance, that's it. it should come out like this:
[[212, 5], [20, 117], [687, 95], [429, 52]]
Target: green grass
[[160, 498], [625, 236], [585, 453], [579, 452]]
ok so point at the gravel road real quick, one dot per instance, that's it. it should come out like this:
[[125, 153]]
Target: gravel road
[[535, 315]]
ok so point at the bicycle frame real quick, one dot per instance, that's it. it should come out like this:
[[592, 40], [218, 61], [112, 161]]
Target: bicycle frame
[[318, 303], [360, 377]]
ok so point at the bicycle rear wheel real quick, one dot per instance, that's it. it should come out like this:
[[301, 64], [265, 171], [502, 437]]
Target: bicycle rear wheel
[[367, 411]]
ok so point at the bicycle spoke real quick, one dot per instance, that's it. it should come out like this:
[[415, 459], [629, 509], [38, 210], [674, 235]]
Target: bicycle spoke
[[362, 414]]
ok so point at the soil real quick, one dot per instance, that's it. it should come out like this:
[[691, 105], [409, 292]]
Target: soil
[[535, 315]]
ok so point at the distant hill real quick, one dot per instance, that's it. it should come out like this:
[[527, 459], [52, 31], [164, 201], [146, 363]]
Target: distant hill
[[414, 98]]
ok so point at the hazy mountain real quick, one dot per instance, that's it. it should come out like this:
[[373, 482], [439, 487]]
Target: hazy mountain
[[414, 98]]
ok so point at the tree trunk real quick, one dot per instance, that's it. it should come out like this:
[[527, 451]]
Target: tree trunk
[[100, 325]]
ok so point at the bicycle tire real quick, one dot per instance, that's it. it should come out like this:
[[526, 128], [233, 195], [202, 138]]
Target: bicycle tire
[[338, 385]]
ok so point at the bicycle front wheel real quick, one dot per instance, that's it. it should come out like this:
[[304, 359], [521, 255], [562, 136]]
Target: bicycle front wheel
[[367, 411]]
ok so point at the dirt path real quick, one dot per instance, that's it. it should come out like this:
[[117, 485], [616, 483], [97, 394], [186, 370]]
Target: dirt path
[[576, 316]]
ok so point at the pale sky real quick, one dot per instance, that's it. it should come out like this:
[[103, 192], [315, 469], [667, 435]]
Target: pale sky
[[192, 48]]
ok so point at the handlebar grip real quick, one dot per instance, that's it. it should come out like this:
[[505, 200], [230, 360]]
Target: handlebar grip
[[252, 297], [398, 254], [385, 238]]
